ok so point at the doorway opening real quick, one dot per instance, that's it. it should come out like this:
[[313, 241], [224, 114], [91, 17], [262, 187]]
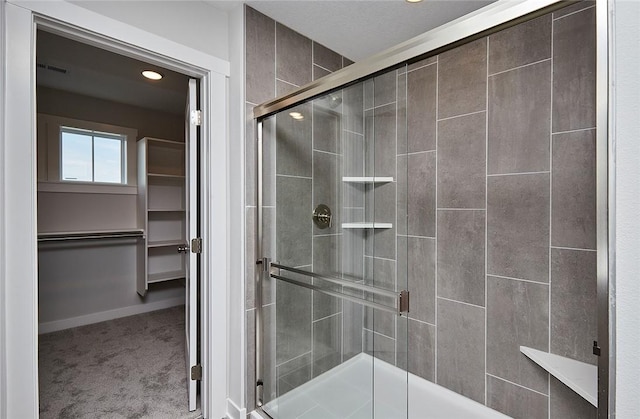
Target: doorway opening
[[118, 207]]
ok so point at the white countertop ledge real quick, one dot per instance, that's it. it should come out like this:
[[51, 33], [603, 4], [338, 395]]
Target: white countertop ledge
[[578, 376]]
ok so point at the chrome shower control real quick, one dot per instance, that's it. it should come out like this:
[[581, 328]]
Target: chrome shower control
[[322, 216]]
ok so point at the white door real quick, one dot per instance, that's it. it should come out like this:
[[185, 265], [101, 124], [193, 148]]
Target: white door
[[191, 230]]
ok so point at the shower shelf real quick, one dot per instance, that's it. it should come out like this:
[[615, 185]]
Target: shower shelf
[[578, 376], [367, 225], [367, 179]]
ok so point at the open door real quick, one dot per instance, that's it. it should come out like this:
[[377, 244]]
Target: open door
[[192, 238]]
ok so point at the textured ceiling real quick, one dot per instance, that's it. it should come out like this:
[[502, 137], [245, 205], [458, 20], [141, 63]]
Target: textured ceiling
[[358, 29]]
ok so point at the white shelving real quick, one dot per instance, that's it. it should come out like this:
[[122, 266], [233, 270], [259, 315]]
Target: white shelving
[[367, 225], [578, 376], [367, 179], [161, 210]]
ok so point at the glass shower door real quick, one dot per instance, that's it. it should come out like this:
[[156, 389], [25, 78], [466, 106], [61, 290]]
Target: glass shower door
[[331, 340]]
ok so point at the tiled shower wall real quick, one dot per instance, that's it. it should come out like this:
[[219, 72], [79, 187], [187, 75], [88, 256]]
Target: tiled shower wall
[[501, 212], [279, 60]]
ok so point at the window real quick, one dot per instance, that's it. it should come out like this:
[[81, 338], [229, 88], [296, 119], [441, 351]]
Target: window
[[92, 156]]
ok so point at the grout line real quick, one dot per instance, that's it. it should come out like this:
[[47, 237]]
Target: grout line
[[573, 248], [326, 317], [284, 81], [420, 321], [551, 140], [326, 152], [251, 103], [298, 177], [327, 235], [572, 13], [518, 279], [517, 385], [421, 67], [419, 152], [376, 332], [461, 115], [460, 302], [353, 132], [293, 359], [416, 237], [521, 173], [381, 258], [395, 241], [573, 130], [380, 106], [520, 67], [313, 203], [435, 240], [486, 224], [461, 209], [318, 65]]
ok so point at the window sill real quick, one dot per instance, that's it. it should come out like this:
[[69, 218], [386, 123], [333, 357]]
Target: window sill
[[95, 188]]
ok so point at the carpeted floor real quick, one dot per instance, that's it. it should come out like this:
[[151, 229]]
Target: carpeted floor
[[133, 367]]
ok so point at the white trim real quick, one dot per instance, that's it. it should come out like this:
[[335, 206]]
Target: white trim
[[83, 187], [3, 370], [234, 412], [20, 269], [102, 316]]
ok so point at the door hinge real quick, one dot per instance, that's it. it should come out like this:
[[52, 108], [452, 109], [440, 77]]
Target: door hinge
[[196, 372], [196, 117], [596, 348], [196, 245]]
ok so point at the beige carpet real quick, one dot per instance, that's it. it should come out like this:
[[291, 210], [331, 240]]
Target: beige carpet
[[132, 367]]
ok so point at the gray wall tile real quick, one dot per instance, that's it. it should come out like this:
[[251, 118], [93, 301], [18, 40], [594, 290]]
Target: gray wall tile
[[260, 50], [353, 108], [421, 254], [573, 299], [381, 200], [462, 162], [421, 188], [380, 273], [573, 212], [462, 79], [325, 189], [574, 72], [319, 72], [294, 373], [422, 63], [294, 142], [326, 58], [460, 354], [293, 56], [401, 114], [384, 88], [327, 259], [353, 324], [379, 346], [293, 223], [250, 159], [326, 123], [401, 194], [461, 271], [515, 401], [567, 404], [519, 45], [421, 108], [353, 154], [518, 226], [421, 339], [517, 315], [293, 320], [283, 87], [518, 125], [382, 151], [577, 6], [327, 344]]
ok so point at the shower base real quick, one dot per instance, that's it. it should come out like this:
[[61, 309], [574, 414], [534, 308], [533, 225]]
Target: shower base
[[366, 388]]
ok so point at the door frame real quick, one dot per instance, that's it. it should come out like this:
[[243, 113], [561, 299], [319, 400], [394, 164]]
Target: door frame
[[18, 245]]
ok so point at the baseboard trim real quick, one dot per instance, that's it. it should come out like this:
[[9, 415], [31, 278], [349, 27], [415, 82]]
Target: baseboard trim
[[102, 316], [234, 412]]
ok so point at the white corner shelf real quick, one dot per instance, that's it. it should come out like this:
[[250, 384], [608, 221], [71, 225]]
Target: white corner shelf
[[367, 225], [367, 179], [578, 376], [165, 276]]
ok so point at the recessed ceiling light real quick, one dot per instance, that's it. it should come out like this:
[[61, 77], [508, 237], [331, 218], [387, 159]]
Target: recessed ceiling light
[[296, 115], [413, 1], [153, 75]]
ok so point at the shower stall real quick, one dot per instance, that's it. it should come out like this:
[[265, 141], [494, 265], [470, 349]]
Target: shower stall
[[427, 226]]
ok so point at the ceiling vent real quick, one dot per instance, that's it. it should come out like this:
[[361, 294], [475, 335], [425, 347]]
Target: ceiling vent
[[52, 68]]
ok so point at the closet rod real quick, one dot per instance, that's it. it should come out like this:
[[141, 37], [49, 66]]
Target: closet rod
[[90, 235]]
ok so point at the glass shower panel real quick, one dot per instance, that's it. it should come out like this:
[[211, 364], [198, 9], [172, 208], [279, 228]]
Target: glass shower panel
[[333, 208]]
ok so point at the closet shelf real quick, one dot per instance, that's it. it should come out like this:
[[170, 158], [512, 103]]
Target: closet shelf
[[367, 179], [163, 175], [166, 210], [367, 225], [165, 276], [578, 376]]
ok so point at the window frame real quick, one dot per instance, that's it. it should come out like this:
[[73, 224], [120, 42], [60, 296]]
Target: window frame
[[100, 134]]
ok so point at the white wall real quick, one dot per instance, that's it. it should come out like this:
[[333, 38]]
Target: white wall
[[627, 227], [194, 23], [237, 346], [3, 375]]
